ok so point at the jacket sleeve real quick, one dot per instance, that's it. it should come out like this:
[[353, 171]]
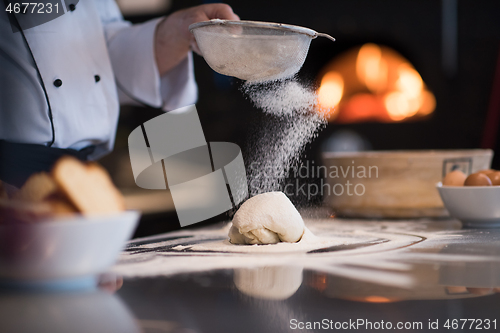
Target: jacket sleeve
[[131, 50]]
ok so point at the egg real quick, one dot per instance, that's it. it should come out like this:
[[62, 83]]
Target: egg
[[494, 177], [477, 179], [454, 178], [486, 171]]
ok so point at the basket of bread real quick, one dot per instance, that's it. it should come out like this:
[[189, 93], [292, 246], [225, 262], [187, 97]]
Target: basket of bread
[[72, 187], [70, 222]]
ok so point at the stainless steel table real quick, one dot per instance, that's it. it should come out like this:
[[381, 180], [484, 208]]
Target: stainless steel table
[[413, 275]]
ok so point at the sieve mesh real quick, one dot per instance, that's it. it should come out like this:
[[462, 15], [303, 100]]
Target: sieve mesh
[[253, 51]]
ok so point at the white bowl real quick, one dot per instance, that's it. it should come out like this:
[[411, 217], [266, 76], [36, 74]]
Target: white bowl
[[475, 206], [63, 249]]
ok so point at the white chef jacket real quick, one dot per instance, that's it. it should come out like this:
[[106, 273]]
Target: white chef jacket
[[79, 55]]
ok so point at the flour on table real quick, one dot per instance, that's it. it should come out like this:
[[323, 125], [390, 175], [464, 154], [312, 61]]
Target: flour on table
[[308, 242], [330, 247]]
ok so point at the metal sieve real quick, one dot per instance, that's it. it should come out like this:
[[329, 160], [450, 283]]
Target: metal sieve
[[253, 51]]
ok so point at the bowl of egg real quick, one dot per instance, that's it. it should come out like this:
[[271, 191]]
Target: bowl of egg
[[473, 199]]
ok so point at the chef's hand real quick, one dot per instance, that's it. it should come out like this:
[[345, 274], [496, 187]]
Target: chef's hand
[[173, 40]]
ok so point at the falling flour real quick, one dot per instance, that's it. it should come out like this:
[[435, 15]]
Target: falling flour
[[295, 121]]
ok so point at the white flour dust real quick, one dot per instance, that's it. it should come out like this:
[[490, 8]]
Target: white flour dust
[[294, 120], [282, 98], [308, 242], [385, 263]]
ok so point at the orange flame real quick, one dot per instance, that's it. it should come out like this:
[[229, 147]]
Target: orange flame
[[330, 91], [397, 88], [371, 68]]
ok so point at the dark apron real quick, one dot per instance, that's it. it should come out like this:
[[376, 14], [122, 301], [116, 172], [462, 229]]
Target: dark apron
[[18, 161]]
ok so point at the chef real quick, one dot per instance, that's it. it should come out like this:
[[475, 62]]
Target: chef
[[61, 82]]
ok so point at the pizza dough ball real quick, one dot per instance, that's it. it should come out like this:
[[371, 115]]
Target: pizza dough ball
[[267, 218]]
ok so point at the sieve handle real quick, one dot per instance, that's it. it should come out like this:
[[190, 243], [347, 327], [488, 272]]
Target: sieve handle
[[325, 35]]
